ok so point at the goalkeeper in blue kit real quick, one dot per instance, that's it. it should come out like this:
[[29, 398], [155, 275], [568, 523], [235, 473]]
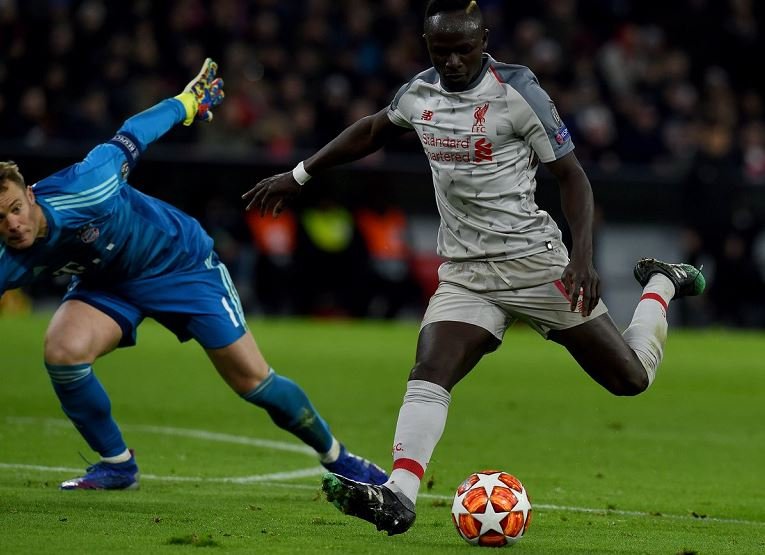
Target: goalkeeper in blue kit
[[132, 256]]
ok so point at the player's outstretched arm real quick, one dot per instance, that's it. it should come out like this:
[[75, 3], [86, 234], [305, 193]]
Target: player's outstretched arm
[[203, 93], [357, 141], [195, 103]]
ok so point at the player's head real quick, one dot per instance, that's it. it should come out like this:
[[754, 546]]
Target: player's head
[[456, 37], [21, 220]]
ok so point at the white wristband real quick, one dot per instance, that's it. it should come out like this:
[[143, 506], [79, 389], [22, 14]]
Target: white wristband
[[300, 175]]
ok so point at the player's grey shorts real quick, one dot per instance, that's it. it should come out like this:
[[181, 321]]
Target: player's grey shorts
[[494, 295]]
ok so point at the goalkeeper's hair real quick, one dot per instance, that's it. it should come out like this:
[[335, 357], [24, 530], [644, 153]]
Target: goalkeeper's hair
[[470, 7], [9, 171]]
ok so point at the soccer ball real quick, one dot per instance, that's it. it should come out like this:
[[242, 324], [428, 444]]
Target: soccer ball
[[491, 508]]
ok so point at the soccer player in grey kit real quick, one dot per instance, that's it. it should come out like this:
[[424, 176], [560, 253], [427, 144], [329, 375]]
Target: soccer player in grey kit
[[485, 126]]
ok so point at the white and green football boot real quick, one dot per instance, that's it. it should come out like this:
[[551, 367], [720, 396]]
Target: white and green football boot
[[688, 280]]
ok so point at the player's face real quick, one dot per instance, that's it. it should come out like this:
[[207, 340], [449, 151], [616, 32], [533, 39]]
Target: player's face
[[456, 54], [20, 218]]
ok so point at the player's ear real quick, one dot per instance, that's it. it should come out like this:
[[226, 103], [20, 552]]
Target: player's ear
[[485, 40], [30, 195]]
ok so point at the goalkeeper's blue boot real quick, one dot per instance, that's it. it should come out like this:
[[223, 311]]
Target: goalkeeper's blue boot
[[103, 475], [688, 281], [376, 504], [356, 468]]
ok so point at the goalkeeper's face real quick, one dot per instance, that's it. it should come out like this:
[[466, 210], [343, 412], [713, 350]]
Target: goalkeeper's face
[[21, 219]]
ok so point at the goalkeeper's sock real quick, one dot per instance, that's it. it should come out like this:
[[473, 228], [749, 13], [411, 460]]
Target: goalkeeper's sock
[[647, 332], [421, 422], [288, 406], [332, 454], [125, 456], [87, 405]]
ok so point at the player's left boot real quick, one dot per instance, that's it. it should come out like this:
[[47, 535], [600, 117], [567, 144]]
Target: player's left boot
[[688, 280], [103, 475], [376, 504], [356, 468]]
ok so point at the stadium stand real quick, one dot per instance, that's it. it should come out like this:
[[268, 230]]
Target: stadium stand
[[663, 105]]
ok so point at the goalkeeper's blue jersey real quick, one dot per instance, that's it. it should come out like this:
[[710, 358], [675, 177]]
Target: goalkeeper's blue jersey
[[102, 229]]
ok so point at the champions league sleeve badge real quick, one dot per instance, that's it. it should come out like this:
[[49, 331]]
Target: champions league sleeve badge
[[562, 134]]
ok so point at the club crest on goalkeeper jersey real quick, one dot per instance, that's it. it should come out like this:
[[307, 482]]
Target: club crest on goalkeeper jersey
[[484, 145]]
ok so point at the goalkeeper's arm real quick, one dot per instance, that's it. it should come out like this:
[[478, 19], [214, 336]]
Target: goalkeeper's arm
[[202, 93]]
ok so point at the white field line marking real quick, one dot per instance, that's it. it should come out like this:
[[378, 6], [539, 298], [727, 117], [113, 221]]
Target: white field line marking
[[291, 475], [183, 432], [224, 438], [266, 479], [196, 434]]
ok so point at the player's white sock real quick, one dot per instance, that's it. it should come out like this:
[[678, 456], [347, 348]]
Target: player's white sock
[[647, 332], [421, 422], [122, 457], [331, 455]]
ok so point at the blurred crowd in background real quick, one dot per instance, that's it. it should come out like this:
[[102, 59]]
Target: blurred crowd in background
[[671, 89]]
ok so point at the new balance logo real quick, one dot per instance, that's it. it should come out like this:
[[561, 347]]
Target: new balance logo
[[427, 115], [483, 151]]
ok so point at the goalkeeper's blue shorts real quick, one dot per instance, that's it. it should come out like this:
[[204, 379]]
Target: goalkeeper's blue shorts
[[200, 304]]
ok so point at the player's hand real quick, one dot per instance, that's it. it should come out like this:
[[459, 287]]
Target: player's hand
[[582, 285], [202, 93], [273, 194]]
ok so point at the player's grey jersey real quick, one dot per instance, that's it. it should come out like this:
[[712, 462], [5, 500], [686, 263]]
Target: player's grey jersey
[[484, 145]]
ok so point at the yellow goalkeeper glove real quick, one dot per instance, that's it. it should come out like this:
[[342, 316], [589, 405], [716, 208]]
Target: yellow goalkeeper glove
[[202, 93]]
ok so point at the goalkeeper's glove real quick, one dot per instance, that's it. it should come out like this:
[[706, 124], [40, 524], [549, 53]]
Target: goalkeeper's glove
[[202, 93]]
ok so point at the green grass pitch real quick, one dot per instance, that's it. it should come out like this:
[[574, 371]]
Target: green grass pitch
[[679, 469]]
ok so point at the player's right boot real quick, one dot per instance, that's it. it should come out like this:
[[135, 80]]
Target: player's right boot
[[376, 504], [103, 475], [688, 280]]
